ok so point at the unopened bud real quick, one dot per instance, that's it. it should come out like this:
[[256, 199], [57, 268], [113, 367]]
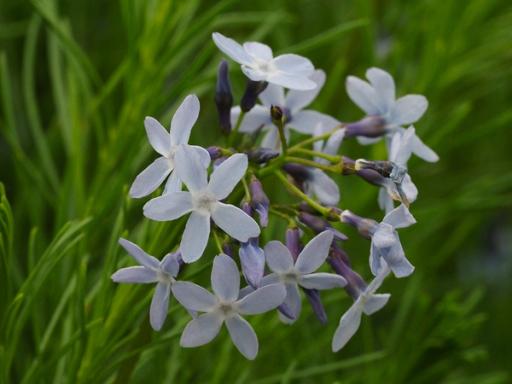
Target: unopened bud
[[293, 242], [224, 97], [214, 152], [252, 91], [370, 126], [277, 114], [364, 226], [316, 304], [355, 283], [262, 155], [299, 172], [318, 224], [259, 200], [252, 260]]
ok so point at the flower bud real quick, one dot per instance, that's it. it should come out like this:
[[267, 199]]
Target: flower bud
[[368, 175], [252, 260], [299, 172], [246, 207], [214, 152], [316, 304], [318, 224], [369, 126], [262, 155], [364, 226], [252, 90], [224, 97], [259, 200], [277, 114], [293, 241], [355, 283]]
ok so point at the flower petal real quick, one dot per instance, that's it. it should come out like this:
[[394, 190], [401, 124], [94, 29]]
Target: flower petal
[[384, 87], [170, 263], [375, 302], [243, 336], [368, 140], [262, 299], [363, 95], [255, 74], [168, 207], [139, 275], [159, 306], [293, 303], [421, 150], [278, 257], [306, 121], [408, 109], [231, 48], [235, 222], [272, 95], [190, 169], [173, 184], [271, 139], [385, 201], [157, 135], [201, 330], [252, 259], [291, 81], [297, 100], [349, 324], [294, 65], [258, 51], [195, 237], [396, 260], [253, 120], [323, 187], [204, 155], [322, 280], [138, 254], [399, 217], [227, 175], [150, 178], [314, 253], [184, 119], [225, 278], [193, 296], [334, 142]]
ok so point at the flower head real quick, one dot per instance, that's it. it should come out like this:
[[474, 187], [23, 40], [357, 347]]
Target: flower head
[[166, 144], [224, 307], [151, 270], [258, 64], [203, 201]]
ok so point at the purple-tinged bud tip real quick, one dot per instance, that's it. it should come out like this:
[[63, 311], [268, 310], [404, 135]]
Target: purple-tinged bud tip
[[224, 97], [252, 91], [368, 175], [318, 224], [293, 241], [364, 226], [316, 304], [259, 200], [246, 207], [369, 126], [299, 172], [338, 261], [262, 155], [214, 152]]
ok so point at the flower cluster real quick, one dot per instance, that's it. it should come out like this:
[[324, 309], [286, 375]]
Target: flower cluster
[[272, 138]]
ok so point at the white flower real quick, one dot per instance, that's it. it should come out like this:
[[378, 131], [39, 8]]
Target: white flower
[[166, 144], [258, 64], [400, 151], [203, 199], [292, 104], [300, 273], [377, 98], [225, 307], [386, 243], [151, 271], [368, 302]]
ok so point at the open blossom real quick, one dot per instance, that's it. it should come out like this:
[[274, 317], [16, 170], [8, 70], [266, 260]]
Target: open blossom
[[295, 116], [224, 307], [301, 272], [151, 270], [203, 201], [258, 63], [377, 98], [166, 144], [367, 302]]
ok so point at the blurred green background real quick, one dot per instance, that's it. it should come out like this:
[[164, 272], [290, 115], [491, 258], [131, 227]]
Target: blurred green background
[[78, 77]]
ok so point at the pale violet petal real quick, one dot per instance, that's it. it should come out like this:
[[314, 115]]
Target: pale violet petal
[[401, 146], [139, 275], [348, 326], [258, 51], [173, 184], [231, 48], [400, 217], [314, 253], [138, 254], [323, 187], [201, 330], [227, 175], [293, 303], [384, 86], [204, 155], [368, 140], [363, 95], [333, 143], [278, 257], [420, 149], [384, 236], [271, 139], [375, 260], [322, 280], [193, 296], [375, 303], [306, 122], [255, 74], [262, 299], [291, 81], [168, 207], [396, 260], [252, 260], [409, 189], [150, 178], [408, 109], [297, 100], [195, 237], [190, 169], [385, 201], [235, 222], [170, 264], [159, 306], [243, 336], [253, 120], [225, 278], [157, 135], [184, 119], [294, 65], [272, 95]]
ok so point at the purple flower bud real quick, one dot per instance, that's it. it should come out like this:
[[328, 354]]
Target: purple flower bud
[[252, 260], [276, 113], [246, 207], [214, 152], [368, 175], [318, 224], [293, 242], [252, 90], [369, 126], [227, 249], [259, 200], [364, 226], [355, 283], [316, 304], [224, 97], [286, 311], [262, 155], [299, 172]]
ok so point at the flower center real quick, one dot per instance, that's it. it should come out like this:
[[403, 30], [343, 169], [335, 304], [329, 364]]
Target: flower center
[[170, 157], [204, 202], [226, 309], [289, 277], [164, 277]]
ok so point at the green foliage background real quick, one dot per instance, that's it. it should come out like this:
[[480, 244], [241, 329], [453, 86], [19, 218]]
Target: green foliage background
[[78, 77]]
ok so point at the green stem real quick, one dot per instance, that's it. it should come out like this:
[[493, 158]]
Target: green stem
[[314, 139], [234, 132], [310, 163], [282, 137], [331, 158]]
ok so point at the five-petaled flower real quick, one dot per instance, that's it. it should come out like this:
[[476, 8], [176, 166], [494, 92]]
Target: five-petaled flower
[[377, 98], [259, 64], [224, 306], [203, 200], [151, 270], [166, 144]]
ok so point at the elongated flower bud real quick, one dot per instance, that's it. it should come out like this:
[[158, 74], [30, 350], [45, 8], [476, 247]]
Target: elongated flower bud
[[318, 224], [369, 175], [316, 304], [252, 260], [293, 241], [252, 91], [355, 283], [262, 155], [259, 200], [387, 169], [369, 126], [224, 97], [214, 152], [364, 226]]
